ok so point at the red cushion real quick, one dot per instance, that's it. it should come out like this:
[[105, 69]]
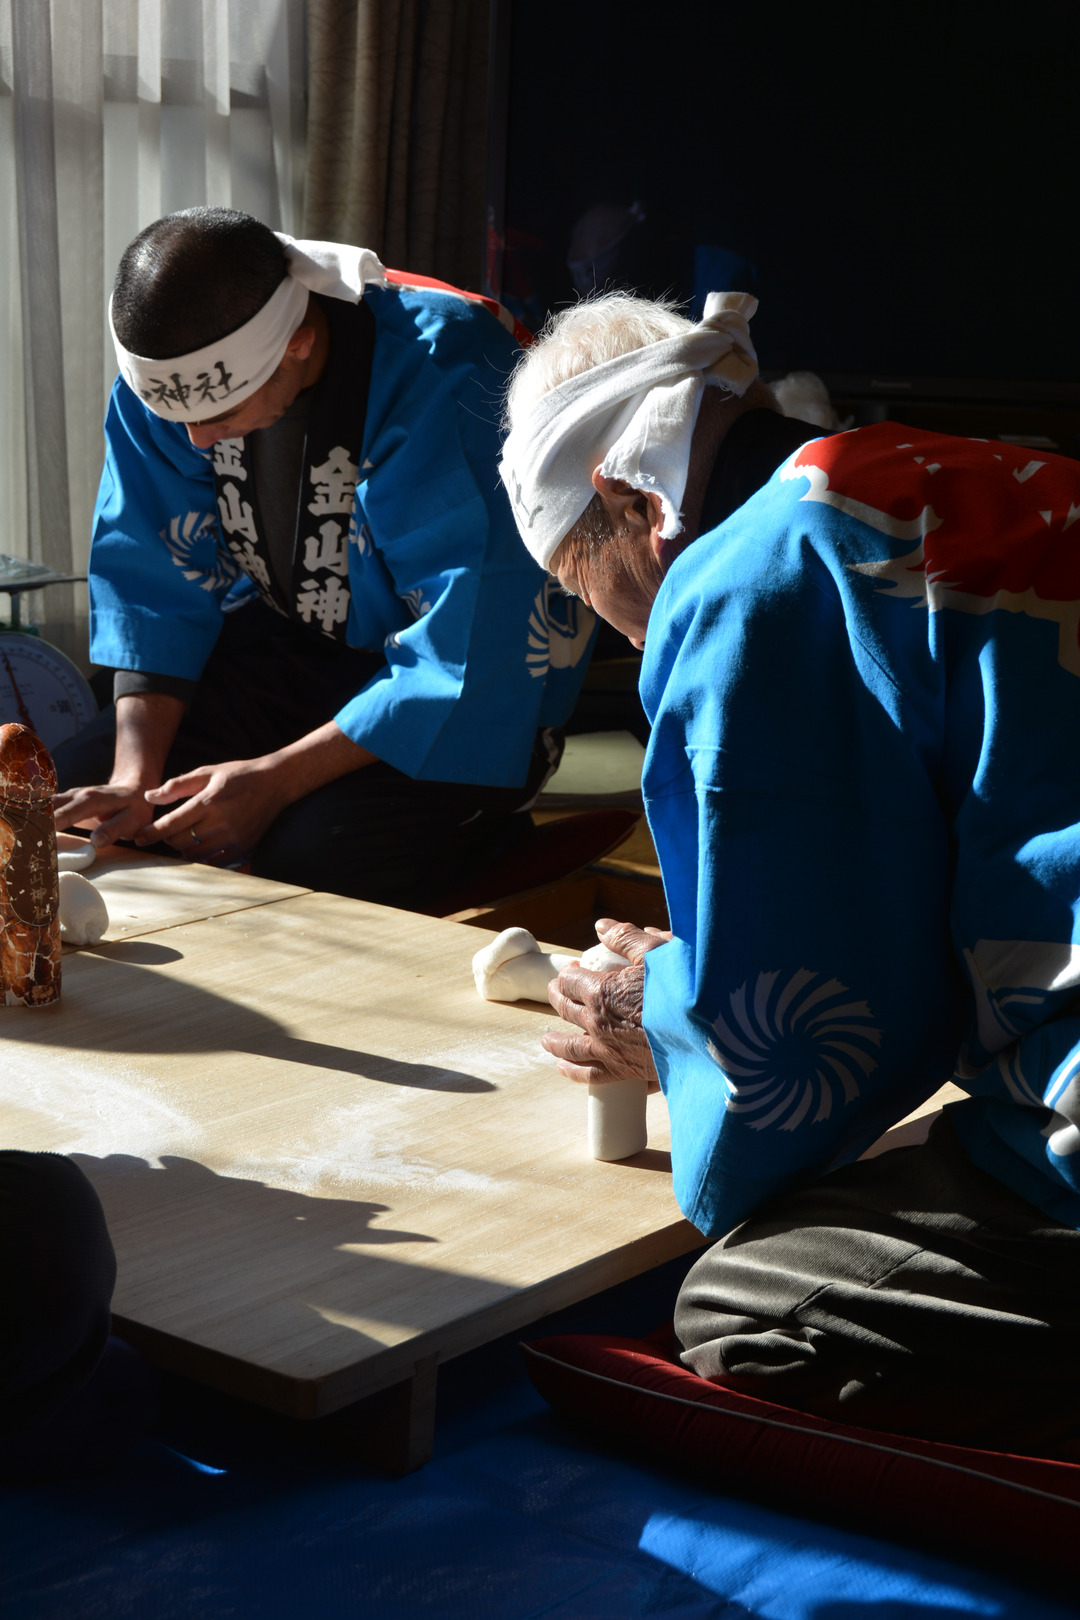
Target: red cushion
[[634, 1390]]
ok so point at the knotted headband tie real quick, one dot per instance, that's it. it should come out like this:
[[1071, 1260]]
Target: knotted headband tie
[[192, 387], [632, 417]]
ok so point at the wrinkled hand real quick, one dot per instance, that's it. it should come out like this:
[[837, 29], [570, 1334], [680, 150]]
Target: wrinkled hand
[[114, 810], [607, 1008], [226, 810]]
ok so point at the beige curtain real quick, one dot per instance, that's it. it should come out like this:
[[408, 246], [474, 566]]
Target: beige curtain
[[397, 97], [113, 112]]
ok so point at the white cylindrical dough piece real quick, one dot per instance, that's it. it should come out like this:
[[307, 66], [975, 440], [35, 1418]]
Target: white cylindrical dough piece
[[84, 916], [617, 1120], [618, 1127], [74, 854]]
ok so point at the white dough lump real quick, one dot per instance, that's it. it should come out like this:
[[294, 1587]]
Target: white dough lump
[[514, 968], [84, 916], [598, 959], [74, 854]]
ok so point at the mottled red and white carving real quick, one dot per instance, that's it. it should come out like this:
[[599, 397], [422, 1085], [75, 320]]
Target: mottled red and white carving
[[29, 890]]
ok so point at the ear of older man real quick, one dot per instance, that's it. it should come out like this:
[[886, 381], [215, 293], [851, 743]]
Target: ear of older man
[[606, 1007], [619, 575]]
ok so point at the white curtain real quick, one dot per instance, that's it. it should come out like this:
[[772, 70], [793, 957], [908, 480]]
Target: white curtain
[[112, 113]]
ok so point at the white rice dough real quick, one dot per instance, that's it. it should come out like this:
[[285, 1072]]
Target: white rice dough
[[617, 1124], [84, 916], [514, 968], [617, 1121], [74, 854], [598, 959]]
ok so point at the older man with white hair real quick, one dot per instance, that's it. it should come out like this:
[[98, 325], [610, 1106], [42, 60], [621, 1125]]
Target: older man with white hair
[[862, 670]]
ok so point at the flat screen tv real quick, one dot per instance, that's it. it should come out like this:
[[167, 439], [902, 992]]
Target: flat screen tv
[[897, 184]]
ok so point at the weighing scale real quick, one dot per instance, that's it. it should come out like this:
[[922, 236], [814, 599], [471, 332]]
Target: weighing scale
[[39, 685]]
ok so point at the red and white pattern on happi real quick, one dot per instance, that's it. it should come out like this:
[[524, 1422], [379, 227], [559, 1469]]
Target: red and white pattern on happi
[[408, 278], [990, 526], [30, 951]]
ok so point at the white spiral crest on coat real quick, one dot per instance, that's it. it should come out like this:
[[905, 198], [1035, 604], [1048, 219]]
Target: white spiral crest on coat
[[559, 630], [183, 534], [790, 1048]]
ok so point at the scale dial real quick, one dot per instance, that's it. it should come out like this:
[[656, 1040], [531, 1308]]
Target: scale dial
[[42, 688]]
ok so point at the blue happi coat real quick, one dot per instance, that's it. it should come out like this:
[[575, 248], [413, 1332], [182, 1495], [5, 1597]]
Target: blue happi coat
[[481, 649], [864, 786]]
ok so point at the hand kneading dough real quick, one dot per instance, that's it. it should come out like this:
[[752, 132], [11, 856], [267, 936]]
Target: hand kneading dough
[[514, 968], [84, 916], [74, 854]]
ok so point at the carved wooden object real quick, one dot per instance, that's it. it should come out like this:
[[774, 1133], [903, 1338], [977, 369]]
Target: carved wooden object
[[29, 892]]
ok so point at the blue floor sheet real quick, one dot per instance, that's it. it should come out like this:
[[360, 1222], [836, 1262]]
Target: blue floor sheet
[[228, 1513]]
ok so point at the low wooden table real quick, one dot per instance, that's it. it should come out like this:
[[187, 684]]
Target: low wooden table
[[326, 1164]]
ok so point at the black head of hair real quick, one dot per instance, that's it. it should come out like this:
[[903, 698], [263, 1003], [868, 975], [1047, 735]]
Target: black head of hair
[[192, 278]]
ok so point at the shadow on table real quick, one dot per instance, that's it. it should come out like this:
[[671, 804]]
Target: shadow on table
[[141, 952], [647, 1159], [121, 1005], [244, 1270], [284, 1219]]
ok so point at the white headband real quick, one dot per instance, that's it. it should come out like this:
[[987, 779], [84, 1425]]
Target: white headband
[[633, 417], [191, 387]]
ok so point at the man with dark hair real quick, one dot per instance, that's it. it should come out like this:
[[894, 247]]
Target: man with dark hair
[[192, 278], [327, 641]]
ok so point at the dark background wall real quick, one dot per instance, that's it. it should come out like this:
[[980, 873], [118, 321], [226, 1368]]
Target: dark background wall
[[898, 183]]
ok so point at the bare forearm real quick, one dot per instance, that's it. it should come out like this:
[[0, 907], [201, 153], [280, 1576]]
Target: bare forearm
[[315, 759], [146, 723]]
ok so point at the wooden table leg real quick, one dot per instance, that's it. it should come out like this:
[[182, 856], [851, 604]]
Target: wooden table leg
[[394, 1429]]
